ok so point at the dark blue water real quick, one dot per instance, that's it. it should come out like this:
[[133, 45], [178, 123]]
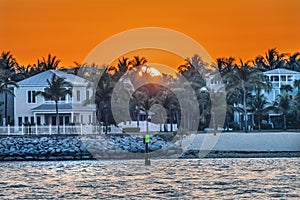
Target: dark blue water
[[260, 178]]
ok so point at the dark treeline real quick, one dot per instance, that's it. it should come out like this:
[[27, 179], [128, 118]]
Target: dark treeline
[[243, 89]]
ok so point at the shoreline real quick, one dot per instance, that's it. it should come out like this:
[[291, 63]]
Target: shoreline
[[211, 155], [122, 147]]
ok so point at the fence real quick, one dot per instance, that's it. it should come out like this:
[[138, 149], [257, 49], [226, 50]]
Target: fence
[[77, 129], [49, 130]]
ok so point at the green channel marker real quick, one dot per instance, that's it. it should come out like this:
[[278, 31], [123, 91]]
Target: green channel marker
[[147, 138]]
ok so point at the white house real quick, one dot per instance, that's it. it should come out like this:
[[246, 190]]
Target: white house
[[278, 78], [29, 108]]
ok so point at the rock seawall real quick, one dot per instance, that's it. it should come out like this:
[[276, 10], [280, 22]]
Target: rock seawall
[[78, 148], [42, 148]]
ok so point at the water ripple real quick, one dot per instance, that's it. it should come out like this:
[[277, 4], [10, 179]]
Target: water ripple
[[259, 178]]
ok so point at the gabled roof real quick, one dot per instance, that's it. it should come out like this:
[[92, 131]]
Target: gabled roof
[[41, 79], [281, 71]]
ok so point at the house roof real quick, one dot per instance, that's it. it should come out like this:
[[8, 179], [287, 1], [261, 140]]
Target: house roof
[[41, 79], [281, 71], [61, 107]]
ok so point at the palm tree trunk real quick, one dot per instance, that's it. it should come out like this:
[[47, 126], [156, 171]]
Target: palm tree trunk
[[138, 117], [147, 124], [258, 123], [99, 119], [227, 121], [284, 122], [176, 118], [214, 121], [106, 122], [57, 116], [5, 110], [171, 122], [245, 110]]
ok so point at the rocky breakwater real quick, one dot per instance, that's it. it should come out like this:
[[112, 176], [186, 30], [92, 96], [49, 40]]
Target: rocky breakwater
[[131, 146], [61, 147], [42, 148]]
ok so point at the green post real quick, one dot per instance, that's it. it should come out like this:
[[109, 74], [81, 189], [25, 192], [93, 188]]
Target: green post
[[147, 141]]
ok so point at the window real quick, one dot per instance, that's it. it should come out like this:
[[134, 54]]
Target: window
[[31, 98], [47, 120], [67, 120], [26, 120], [32, 120], [81, 119], [53, 119], [20, 121], [74, 119], [78, 95], [274, 78], [38, 120], [63, 98], [61, 120], [87, 94], [283, 78], [290, 78], [90, 119]]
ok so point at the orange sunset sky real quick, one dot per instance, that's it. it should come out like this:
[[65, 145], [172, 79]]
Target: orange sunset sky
[[70, 29]]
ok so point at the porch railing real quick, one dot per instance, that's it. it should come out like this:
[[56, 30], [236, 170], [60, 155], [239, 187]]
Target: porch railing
[[77, 129], [50, 129]]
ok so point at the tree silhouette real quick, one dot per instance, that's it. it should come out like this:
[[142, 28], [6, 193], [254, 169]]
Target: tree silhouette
[[244, 79], [272, 60], [7, 66]]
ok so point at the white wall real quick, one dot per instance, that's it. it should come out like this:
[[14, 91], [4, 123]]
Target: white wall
[[265, 142]]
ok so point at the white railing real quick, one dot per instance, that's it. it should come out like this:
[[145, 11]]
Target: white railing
[[79, 129], [50, 129]]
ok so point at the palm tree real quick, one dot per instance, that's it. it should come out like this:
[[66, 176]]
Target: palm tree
[[297, 85], [283, 105], [204, 106], [4, 88], [147, 103], [244, 80], [103, 97], [297, 98], [194, 70], [7, 66], [272, 60], [232, 99], [57, 89], [259, 106], [217, 108], [47, 64], [286, 88], [138, 97], [225, 65], [137, 62], [170, 103], [293, 62], [122, 68]]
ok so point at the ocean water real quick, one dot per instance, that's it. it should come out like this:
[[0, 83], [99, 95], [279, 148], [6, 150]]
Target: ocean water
[[255, 178]]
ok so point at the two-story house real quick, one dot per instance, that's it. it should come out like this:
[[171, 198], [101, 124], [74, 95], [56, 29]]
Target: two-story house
[[278, 78], [29, 108]]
